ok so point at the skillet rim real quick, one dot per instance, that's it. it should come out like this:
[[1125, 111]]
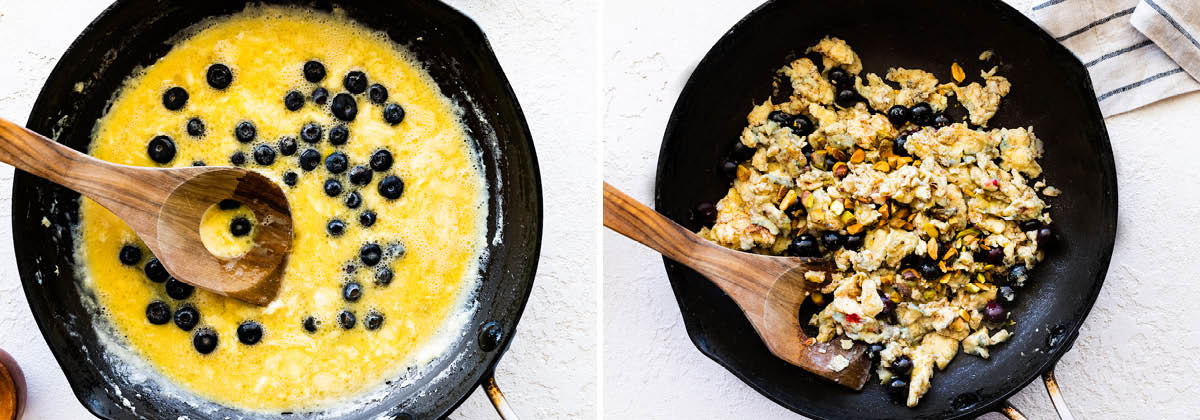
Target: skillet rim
[[1109, 201], [483, 369]]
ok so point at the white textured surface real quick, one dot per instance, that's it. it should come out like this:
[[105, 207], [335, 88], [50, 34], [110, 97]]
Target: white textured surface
[[1135, 356], [545, 47]]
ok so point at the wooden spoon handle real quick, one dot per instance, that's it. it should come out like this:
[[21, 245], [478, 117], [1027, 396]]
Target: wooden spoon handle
[[640, 223]]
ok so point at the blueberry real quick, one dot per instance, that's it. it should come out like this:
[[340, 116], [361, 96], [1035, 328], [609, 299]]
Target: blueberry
[[264, 154], [219, 76], [367, 218], [310, 324], [336, 162], [130, 254], [383, 276], [393, 113], [239, 226], [381, 160], [353, 200], [377, 94], [1046, 237], [373, 320], [391, 187], [995, 256], [930, 271], [729, 169], [802, 126], [902, 366], [921, 114], [205, 341], [309, 159], [195, 127], [370, 254], [229, 204], [161, 149], [179, 290], [941, 120], [333, 187], [346, 319], [155, 271], [186, 318], [287, 146], [840, 77], [889, 306], [832, 241], [158, 312], [198, 163], [311, 133], [293, 100], [237, 159], [897, 389], [360, 175], [994, 312], [352, 292], [1030, 225], [846, 98], [898, 115], [290, 178], [1018, 275], [1006, 295], [338, 135], [245, 131], [741, 152], [355, 82], [335, 227], [174, 98], [249, 333], [314, 71], [780, 117], [873, 352], [854, 241], [804, 246], [344, 107], [706, 213], [899, 145], [320, 96]]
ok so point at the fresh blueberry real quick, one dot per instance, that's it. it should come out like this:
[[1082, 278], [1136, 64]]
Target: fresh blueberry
[[314, 71], [994, 312], [899, 146], [1006, 295], [353, 200], [889, 306], [355, 82], [706, 213], [179, 290], [174, 98], [873, 352], [346, 319], [383, 276], [250, 333], [293, 101], [1046, 237], [840, 77], [729, 169], [186, 318], [370, 254], [311, 132], [240, 226], [898, 115], [245, 131], [229, 204], [802, 126], [902, 366], [832, 240], [320, 96], [780, 117], [854, 241], [377, 94], [344, 107], [1030, 225], [219, 76], [287, 146], [941, 120], [846, 98], [897, 389], [130, 254], [336, 162], [198, 163], [352, 292], [381, 160], [339, 134], [155, 271], [333, 187], [804, 246], [373, 320], [161, 149], [158, 312], [367, 218], [264, 154], [1018, 275], [393, 113], [741, 152], [309, 159], [195, 127], [205, 341], [391, 187], [930, 271], [335, 227], [360, 175], [921, 114], [995, 256], [310, 324], [290, 178]]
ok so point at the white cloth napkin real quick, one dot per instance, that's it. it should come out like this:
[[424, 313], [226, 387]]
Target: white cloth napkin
[[1137, 51]]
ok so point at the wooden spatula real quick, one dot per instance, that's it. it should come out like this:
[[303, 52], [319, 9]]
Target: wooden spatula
[[768, 289], [165, 207]]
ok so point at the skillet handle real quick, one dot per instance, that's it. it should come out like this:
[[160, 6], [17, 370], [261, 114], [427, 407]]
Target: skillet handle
[[493, 391], [1056, 398]]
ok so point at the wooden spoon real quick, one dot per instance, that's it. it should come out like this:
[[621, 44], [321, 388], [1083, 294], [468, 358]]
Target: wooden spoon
[[768, 289], [165, 207]]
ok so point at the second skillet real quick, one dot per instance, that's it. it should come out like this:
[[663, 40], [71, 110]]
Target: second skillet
[[1051, 92]]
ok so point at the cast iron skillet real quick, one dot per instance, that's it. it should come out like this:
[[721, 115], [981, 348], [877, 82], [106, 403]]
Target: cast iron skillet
[[1051, 92], [134, 32]]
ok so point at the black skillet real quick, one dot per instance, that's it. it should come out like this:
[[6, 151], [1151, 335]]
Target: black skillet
[[135, 32], [1051, 92]]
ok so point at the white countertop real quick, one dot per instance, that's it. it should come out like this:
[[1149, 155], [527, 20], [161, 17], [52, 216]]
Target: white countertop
[[1136, 353], [547, 52]]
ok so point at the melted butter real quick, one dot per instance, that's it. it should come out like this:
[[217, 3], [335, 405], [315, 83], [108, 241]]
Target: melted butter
[[438, 223]]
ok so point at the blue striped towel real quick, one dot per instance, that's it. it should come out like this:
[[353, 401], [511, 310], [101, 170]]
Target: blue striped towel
[[1137, 51]]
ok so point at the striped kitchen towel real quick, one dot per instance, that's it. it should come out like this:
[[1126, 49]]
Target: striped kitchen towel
[[1137, 51]]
